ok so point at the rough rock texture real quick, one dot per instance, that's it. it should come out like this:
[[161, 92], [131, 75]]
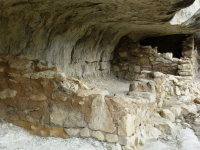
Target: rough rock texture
[[80, 36], [93, 38], [46, 103], [131, 58]]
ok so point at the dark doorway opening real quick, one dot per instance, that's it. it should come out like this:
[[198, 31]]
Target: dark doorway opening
[[164, 44]]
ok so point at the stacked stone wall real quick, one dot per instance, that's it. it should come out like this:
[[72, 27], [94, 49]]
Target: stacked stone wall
[[130, 59], [45, 102]]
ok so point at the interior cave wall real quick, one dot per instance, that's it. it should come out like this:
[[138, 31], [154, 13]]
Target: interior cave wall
[[79, 47], [131, 58], [79, 36]]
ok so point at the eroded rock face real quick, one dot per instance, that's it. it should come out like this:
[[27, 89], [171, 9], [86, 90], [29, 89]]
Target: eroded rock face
[[80, 36]]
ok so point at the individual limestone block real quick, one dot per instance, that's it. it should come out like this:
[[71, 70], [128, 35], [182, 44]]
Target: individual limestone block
[[197, 121], [142, 86], [8, 93], [1, 69], [98, 135], [161, 59], [123, 140], [166, 113], [177, 91], [168, 56], [187, 53], [111, 138], [134, 68], [13, 75], [197, 100], [72, 132], [44, 74], [184, 61], [184, 73], [129, 77], [100, 116], [128, 141], [85, 132], [87, 92], [176, 110], [144, 95], [20, 64], [162, 124], [152, 132], [65, 116], [38, 97], [185, 67], [123, 53], [67, 86], [144, 61], [103, 65], [189, 108], [116, 68], [126, 126]]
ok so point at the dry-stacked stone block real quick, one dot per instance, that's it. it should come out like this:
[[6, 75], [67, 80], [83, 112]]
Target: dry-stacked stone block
[[45, 102]]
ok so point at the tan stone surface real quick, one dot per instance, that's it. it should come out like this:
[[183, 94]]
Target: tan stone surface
[[20, 64], [189, 108], [100, 116], [85, 132], [65, 116], [98, 135], [39, 97], [111, 138], [126, 126], [72, 132], [165, 113], [8, 93], [197, 100]]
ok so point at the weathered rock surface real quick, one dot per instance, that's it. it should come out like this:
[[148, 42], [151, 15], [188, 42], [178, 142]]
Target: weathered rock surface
[[7, 93], [94, 38], [98, 135], [85, 132], [81, 36], [65, 116], [100, 116], [49, 104]]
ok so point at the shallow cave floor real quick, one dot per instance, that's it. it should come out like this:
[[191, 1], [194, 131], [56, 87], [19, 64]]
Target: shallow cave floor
[[111, 83]]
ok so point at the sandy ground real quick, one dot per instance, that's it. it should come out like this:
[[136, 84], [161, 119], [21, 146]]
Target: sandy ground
[[16, 138]]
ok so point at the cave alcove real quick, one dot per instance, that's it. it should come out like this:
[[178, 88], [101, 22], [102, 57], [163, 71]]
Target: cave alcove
[[131, 58], [164, 44]]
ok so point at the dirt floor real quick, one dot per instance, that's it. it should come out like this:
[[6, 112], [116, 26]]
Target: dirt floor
[[112, 84]]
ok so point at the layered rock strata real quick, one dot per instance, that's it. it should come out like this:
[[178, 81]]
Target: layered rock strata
[[80, 36]]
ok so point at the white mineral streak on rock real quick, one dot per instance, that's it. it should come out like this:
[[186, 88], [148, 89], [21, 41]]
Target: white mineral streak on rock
[[184, 14]]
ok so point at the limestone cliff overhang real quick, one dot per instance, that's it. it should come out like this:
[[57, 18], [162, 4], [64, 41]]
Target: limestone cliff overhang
[[74, 33]]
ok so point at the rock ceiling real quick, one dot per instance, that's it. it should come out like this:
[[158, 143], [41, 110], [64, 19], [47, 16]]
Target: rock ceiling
[[68, 32]]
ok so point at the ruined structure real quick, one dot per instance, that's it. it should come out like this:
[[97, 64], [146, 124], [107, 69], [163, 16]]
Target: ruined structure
[[46, 46]]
